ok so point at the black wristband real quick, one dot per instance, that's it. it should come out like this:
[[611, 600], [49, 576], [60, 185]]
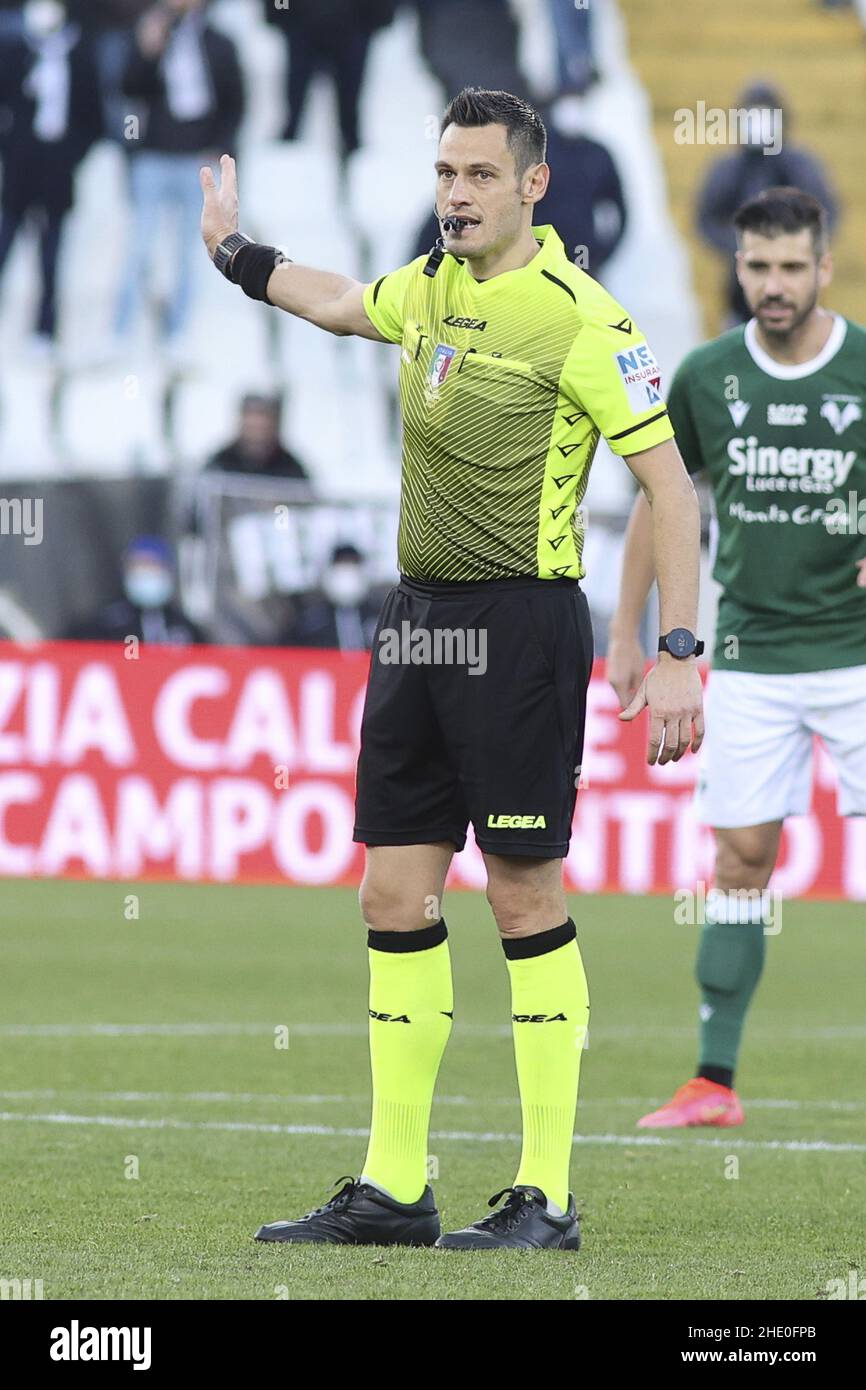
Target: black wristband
[[252, 268]]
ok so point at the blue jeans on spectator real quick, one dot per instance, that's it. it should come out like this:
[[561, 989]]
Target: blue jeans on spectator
[[161, 183], [573, 30]]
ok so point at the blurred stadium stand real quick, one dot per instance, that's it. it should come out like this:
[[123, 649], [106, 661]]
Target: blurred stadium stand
[[162, 415], [815, 54], [109, 419]]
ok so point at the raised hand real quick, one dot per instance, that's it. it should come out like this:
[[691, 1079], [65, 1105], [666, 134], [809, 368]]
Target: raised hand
[[219, 214]]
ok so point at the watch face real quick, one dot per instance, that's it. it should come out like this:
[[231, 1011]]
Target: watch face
[[680, 642]]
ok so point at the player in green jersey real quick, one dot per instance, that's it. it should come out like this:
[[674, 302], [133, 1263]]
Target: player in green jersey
[[773, 413], [512, 363]]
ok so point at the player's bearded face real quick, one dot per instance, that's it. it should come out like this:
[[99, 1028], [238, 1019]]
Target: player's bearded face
[[781, 278], [476, 180]]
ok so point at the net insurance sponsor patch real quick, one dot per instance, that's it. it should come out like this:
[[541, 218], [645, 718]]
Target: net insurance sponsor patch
[[640, 377]]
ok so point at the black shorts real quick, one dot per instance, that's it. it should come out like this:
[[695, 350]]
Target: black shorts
[[475, 711]]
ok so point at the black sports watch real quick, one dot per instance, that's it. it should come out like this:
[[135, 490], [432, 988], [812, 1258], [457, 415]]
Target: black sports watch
[[680, 643], [224, 253]]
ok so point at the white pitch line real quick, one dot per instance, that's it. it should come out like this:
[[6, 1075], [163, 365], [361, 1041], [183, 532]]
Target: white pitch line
[[470, 1136], [273, 1098], [600, 1033]]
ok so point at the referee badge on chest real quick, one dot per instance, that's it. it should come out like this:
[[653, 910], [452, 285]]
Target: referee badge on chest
[[440, 363]]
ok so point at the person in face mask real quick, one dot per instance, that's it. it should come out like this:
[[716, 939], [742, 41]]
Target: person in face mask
[[343, 614], [148, 609], [737, 178]]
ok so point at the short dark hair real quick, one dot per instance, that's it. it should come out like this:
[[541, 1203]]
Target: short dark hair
[[783, 209], [526, 135]]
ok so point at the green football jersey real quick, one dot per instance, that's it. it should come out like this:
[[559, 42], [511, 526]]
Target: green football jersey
[[784, 449], [506, 385]]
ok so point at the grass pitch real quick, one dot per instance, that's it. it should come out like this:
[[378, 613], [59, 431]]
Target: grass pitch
[[151, 1118]]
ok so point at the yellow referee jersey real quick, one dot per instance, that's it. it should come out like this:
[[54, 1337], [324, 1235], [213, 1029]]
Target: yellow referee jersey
[[506, 385]]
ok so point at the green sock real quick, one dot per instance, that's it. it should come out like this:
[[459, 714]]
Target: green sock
[[729, 964], [550, 1013], [411, 1004]]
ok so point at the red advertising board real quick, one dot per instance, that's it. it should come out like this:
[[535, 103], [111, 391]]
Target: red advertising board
[[237, 765]]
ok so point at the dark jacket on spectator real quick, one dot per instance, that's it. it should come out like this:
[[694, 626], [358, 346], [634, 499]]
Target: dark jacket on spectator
[[38, 171], [280, 464], [734, 179], [217, 131], [168, 625], [319, 624], [325, 14], [98, 15]]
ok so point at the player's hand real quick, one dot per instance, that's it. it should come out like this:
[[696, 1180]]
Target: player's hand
[[220, 212], [861, 573], [673, 693], [625, 666]]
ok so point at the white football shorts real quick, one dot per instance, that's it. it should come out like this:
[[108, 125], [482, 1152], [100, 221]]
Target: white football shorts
[[756, 761]]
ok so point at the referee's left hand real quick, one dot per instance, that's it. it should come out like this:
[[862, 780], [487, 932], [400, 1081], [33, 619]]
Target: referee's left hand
[[673, 693]]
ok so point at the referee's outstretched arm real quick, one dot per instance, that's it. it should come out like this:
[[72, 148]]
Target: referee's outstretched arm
[[333, 302]]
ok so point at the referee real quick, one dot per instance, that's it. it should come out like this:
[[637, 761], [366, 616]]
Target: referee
[[513, 362]]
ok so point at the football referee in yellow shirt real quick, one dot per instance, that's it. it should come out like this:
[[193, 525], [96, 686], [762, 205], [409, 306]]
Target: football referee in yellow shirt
[[512, 363]]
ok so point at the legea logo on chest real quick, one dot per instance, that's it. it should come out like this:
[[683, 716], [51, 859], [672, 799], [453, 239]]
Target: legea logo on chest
[[768, 468]]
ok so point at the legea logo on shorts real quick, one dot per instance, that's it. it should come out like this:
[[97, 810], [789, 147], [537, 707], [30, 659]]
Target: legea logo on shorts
[[516, 823]]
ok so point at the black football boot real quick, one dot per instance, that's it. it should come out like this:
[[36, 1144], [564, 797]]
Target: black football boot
[[523, 1223], [361, 1215]]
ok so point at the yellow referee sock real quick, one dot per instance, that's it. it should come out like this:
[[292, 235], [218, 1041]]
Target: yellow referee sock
[[550, 1013], [411, 1007]]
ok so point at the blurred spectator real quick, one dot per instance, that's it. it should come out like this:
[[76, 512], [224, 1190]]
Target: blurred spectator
[[471, 43], [344, 613], [735, 178], [110, 25], [148, 609], [188, 75], [584, 201], [257, 448], [11, 20], [331, 36], [49, 118], [572, 27]]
